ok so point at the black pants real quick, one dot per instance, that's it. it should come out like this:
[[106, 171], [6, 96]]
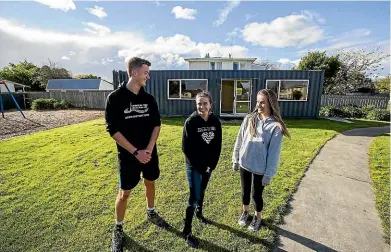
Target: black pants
[[247, 178]]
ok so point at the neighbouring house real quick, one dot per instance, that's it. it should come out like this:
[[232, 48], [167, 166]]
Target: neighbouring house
[[13, 87], [78, 85], [233, 91], [222, 63]]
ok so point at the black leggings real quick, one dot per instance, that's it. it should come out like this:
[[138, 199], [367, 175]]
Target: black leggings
[[246, 178]]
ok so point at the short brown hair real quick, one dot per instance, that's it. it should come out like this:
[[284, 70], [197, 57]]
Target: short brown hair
[[134, 63]]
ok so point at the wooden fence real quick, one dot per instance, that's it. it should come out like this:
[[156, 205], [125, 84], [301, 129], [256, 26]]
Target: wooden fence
[[86, 99], [359, 100]]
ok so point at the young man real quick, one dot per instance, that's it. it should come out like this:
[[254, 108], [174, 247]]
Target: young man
[[133, 121]]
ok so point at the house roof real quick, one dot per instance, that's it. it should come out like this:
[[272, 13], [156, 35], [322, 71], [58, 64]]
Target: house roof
[[14, 83], [219, 59], [74, 84]]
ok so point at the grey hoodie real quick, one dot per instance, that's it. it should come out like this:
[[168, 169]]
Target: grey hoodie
[[261, 154]]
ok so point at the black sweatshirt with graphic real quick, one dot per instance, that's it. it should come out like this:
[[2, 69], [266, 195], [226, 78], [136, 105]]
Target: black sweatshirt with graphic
[[134, 116], [201, 141]]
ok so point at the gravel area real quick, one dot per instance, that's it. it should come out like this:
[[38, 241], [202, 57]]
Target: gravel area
[[15, 125]]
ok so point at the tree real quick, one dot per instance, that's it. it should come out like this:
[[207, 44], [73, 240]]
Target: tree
[[51, 71], [24, 73], [268, 65], [358, 66], [345, 71], [383, 86], [85, 76], [320, 61]]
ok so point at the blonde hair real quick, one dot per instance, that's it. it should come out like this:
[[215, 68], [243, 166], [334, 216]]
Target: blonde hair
[[274, 111]]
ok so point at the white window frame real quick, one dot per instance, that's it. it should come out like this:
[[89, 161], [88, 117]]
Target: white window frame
[[245, 65], [180, 88], [216, 63], [279, 88]]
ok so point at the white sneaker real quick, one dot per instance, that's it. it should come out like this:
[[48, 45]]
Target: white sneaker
[[243, 220], [255, 225]]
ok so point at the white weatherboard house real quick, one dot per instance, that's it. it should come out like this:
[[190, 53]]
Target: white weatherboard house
[[222, 63]]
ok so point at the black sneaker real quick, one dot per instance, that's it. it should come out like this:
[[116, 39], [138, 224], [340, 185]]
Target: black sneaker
[[191, 241], [118, 237], [154, 217], [255, 225]]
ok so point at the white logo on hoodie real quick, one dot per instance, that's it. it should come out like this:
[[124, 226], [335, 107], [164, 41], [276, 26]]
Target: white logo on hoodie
[[139, 108], [208, 136]]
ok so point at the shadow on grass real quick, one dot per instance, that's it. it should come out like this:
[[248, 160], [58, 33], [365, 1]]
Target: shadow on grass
[[316, 246], [241, 234], [371, 132], [202, 244], [132, 245]]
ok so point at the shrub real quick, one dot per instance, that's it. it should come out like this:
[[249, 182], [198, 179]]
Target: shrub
[[66, 104], [330, 111], [47, 104], [43, 104], [352, 112], [366, 109], [379, 115]]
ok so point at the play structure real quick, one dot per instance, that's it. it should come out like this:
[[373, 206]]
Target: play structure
[[13, 98]]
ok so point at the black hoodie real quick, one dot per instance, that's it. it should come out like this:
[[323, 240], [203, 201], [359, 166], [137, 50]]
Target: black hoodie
[[201, 141], [134, 116]]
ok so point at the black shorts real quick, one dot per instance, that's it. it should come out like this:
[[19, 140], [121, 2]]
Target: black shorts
[[130, 169]]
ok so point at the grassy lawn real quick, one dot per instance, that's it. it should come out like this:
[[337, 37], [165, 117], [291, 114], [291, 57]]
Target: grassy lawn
[[58, 187], [379, 154]]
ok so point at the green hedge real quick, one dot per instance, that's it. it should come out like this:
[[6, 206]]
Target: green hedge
[[50, 104], [369, 112]]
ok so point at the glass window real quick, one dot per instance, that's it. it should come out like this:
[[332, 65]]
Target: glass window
[[273, 85], [242, 65], [186, 89], [243, 91], [212, 65], [242, 107], [293, 90], [173, 89], [289, 90], [236, 66]]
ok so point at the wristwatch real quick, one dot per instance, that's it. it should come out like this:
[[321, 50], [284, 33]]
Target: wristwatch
[[135, 152]]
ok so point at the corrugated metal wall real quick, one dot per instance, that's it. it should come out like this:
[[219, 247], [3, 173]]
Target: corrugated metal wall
[[157, 86]]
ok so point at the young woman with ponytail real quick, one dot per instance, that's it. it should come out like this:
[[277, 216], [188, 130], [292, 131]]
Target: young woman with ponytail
[[201, 144], [257, 153]]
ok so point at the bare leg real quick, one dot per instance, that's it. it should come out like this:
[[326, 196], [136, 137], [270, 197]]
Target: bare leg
[[120, 204], [150, 192]]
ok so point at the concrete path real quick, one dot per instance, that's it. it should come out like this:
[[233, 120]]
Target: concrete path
[[334, 206]]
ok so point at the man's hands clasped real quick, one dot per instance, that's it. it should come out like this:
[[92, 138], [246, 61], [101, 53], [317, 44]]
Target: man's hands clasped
[[144, 156]]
